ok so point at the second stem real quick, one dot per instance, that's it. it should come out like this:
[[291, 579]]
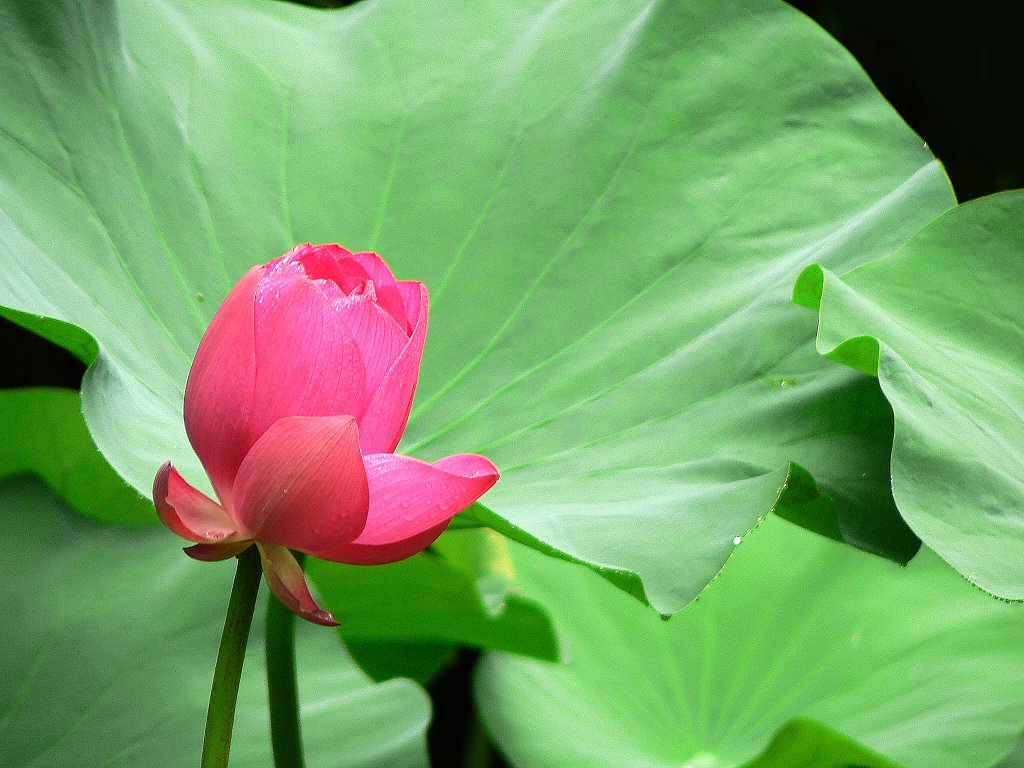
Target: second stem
[[282, 685]]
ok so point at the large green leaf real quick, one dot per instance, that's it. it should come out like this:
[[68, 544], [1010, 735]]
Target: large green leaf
[[110, 637], [608, 200], [941, 323], [913, 663], [44, 433]]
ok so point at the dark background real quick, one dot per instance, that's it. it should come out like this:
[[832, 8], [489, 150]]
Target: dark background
[[953, 74]]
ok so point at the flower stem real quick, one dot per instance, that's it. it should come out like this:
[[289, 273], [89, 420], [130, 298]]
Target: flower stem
[[221, 716], [282, 685]]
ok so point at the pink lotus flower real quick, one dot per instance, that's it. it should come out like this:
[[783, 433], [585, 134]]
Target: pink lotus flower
[[298, 396]]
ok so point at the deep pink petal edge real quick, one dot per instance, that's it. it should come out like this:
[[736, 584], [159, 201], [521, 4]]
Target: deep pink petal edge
[[211, 553], [374, 554], [385, 286]]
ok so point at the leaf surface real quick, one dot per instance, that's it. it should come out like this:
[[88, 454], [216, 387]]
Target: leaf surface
[[461, 593], [609, 202]]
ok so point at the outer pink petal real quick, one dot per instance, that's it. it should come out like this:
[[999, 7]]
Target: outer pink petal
[[307, 363], [221, 551], [380, 554], [288, 583], [411, 502], [188, 512], [387, 412], [303, 484], [219, 392]]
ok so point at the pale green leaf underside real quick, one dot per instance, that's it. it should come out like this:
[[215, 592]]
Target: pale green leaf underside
[[109, 645], [941, 322], [608, 201], [914, 664]]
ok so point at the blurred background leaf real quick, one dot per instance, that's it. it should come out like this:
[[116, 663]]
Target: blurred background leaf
[[913, 664], [805, 743], [405, 618], [109, 645]]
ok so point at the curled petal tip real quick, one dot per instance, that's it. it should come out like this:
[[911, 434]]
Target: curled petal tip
[[160, 484], [321, 617], [285, 578], [188, 511], [215, 551]]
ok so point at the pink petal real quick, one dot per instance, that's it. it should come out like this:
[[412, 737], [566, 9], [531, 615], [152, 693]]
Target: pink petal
[[411, 502], [221, 551], [219, 392], [378, 336], [319, 262], [333, 263], [188, 512], [380, 554], [303, 484], [307, 363], [387, 412], [412, 299], [386, 287], [288, 583]]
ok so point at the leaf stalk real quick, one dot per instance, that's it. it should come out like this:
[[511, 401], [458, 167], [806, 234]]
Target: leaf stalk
[[282, 685]]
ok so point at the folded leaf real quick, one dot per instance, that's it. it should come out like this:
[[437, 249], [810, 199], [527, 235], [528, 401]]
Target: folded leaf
[[941, 323]]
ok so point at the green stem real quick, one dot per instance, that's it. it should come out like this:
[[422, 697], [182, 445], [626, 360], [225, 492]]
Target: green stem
[[221, 716], [282, 686]]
